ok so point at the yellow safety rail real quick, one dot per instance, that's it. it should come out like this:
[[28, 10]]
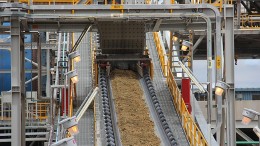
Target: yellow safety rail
[[49, 1], [217, 3], [193, 133], [250, 21], [40, 110], [163, 62]]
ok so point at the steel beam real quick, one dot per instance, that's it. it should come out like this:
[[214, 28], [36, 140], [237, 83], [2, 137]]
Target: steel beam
[[229, 74], [157, 25], [39, 61], [48, 77], [17, 64], [7, 46]]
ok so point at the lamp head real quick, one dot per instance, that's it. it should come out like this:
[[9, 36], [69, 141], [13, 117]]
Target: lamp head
[[220, 87], [185, 45], [75, 56], [52, 71], [248, 115], [71, 124], [73, 75]]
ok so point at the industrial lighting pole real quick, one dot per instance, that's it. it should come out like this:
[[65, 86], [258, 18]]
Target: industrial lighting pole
[[17, 84], [229, 73]]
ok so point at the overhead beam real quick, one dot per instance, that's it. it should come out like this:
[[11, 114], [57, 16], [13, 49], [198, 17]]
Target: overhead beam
[[157, 25], [245, 6], [7, 46]]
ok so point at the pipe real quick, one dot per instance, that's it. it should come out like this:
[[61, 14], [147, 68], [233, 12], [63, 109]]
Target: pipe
[[54, 97], [87, 28], [84, 106]]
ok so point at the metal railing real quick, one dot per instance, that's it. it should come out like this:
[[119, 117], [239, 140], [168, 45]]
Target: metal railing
[[216, 3], [39, 110], [50, 1], [161, 54], [194, 135], [36, 111], [250, 21]]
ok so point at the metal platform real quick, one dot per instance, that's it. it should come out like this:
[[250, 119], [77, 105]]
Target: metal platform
[[84, 68], [164, 95]]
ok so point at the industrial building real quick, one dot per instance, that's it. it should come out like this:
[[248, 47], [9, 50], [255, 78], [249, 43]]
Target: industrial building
[[128, 72]]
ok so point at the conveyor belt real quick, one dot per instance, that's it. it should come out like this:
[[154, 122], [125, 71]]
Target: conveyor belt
[[156, 112], [164, 96], [110, 134]]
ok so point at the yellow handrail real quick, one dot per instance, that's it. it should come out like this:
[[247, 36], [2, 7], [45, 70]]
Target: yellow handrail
[[50, 1], [249, 21], [217, 3], [163, 62], [193, 133]]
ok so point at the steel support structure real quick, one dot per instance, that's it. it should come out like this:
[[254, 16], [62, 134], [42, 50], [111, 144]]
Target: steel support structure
[[229, 74], [41, 16], [39, 61], [17, 84], [48, 77]]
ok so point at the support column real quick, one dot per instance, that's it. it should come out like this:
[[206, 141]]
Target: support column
[[23, 92], [170, 51], [17, 81], [238, 13], [48, 80], [39, 61], [229, 73]]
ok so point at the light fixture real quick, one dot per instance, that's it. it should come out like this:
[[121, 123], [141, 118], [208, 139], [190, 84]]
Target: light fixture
[[257, 131], [185, 45], [75, 56], [52, 71], [175, 36], [248, 115], [66, 142], [71, 124], [220, 87], [73, 75]]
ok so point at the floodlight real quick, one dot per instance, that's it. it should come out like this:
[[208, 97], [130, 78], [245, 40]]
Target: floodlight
[[52, 71], [220, 88], [257, 131], [185, 45], [71, 124], [248, 115], [75, 56], [73, 75], [175, 38], [66, 142]]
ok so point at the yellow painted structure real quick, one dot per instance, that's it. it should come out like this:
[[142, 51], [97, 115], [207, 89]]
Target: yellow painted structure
[[193, 133]]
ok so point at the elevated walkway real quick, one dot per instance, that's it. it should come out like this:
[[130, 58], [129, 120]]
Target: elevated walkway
[[84, 69], [164, 95]]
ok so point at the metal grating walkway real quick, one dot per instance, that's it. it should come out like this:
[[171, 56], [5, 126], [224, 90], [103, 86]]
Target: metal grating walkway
[[84, 69], [164, 95]]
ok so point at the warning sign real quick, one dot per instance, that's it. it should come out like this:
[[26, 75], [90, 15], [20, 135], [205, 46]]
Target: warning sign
[[218, 61]]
